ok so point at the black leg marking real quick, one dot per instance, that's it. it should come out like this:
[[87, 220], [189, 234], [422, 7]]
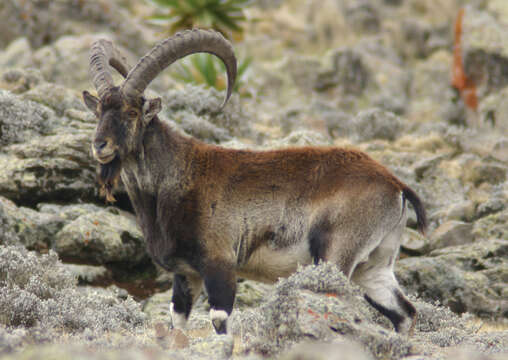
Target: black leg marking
[[405, 304], [394, 317], [220, 283], [182, 297], [319, 239]]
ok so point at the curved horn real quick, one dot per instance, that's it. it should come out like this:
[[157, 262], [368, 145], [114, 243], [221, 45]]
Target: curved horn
[[176, 47], [104, 53]]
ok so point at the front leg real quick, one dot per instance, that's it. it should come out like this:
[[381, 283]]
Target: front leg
[[186, 289], [220, 284]]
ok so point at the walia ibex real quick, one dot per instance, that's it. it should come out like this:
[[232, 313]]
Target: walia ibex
[[210, 214]]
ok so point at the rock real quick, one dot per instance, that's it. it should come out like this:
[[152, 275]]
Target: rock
[[56, 97], [66, 61], [17, 54], [492, 206], [22, 120], [421, 38], [488, 173], [452, 233], [433, 99], [316, 302], [20, 80], [157, 308], [335, 350], [492, 226], [490, 112], [89, 275], [57, 168], [102, 237], [251, 294], [500, 150], [194, 108], [68, 212], [32, 229], [362, 16], [466, 278], [213, 347], [376, 124], [485, 49], [170, 339], [42, 22], [299, 138], [463, 211], [7, 234], [349, 72], [414, 243]]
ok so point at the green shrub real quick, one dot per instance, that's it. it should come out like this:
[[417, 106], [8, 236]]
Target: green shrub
[[209, 70], [225, 16]]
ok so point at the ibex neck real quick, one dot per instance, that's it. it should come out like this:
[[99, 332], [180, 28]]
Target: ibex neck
[[161, 161]]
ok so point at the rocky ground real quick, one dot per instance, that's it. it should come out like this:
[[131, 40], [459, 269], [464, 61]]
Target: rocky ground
[[377, 75]]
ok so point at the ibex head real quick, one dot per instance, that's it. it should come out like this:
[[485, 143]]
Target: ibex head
[[122, 111]]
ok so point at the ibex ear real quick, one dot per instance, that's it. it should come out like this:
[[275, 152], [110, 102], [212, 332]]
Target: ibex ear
[[91, 102], [150, 109]]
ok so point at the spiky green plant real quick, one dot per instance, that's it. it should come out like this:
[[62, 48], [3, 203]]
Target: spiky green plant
[[207, 69], [222, 15]]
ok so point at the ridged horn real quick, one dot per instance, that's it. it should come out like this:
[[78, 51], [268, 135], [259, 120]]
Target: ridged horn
[[176, 47], [102, 54]]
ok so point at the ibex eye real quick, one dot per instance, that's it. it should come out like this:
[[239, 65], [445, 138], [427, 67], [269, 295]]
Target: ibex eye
[[132, 114]]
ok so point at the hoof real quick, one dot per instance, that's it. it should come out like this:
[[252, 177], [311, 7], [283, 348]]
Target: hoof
[[219, 320], [178, 320]]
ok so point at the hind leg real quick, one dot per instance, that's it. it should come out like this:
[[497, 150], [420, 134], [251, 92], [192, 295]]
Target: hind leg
[[382, 291], [186, 290]]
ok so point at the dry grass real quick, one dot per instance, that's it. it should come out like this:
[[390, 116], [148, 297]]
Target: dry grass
[[485, 326]]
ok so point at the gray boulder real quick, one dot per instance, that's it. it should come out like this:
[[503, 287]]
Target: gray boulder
[[318, 304], [195, 110], [43, 21], [485, 49], [46, 149], [452, 233], [25, 226], [21, 120], [102, 237], [376, 124], [466, 278]]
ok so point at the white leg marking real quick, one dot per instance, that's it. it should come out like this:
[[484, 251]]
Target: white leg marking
[[218, 318], [179, 320]]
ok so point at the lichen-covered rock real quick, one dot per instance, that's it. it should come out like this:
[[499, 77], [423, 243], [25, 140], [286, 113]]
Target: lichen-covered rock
[[485, 49], [316, 302], [102, 237], [376, 124], [195, 109], [56, 168], [66, 61], [466, 278], [452, 233], [89, 274], [21, 120], [19, 80], [32, 229], [17, 54], [335, 350], [43, 21], [428, 91], [56, 97]]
